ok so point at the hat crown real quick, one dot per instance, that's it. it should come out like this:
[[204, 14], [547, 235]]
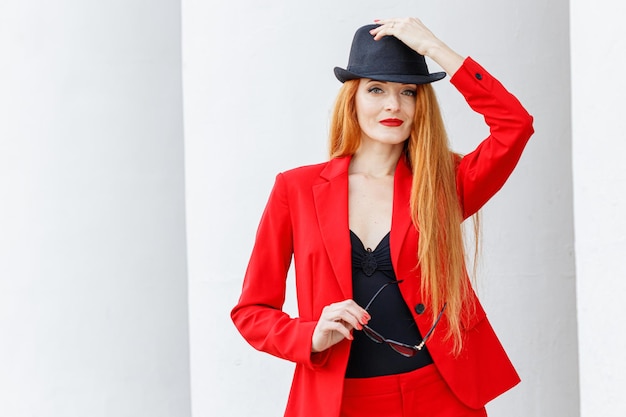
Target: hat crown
[[387, 59]]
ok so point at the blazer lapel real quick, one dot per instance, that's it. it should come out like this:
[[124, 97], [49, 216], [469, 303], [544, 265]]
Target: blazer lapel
[[331, 206]]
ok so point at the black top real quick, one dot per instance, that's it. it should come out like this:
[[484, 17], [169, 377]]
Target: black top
[[391, 317]]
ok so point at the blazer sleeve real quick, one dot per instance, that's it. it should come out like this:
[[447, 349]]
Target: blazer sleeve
[[481, 173], [258, 315]]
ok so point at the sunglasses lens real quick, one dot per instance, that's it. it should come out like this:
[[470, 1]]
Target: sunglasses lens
[[373, 335], [403, 350]]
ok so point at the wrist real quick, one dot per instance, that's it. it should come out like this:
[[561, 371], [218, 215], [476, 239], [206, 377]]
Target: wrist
[[448, 60], [435, 49]]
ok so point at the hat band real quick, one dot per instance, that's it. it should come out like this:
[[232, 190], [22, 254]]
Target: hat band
[[396, 68]]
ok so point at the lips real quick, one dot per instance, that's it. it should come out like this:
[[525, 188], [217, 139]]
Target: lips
[[391, 122]]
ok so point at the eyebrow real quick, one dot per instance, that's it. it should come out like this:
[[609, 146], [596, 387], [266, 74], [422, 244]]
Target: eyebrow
[[387, 82]]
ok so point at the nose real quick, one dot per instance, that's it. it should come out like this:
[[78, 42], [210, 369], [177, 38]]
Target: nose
[[392, 103]]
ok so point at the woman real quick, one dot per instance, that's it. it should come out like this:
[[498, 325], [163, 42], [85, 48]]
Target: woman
[[388, 323]]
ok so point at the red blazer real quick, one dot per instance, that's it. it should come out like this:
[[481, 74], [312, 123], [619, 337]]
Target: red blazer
[[307, 217]]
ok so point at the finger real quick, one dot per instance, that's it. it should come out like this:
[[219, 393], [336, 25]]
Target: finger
[[389, 21], [346, 331], [350, 320], [341, 316], [391, 29], [339, 327], [339, 310], [359, 312], [385, 29]]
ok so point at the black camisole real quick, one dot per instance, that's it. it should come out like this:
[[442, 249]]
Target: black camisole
[[391, 317]]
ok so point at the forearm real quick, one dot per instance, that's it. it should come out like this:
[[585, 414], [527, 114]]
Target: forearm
[[449, 60], [258, 314], [484, 171]]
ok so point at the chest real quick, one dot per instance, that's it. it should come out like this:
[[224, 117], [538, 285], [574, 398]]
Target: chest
[[370, 207]]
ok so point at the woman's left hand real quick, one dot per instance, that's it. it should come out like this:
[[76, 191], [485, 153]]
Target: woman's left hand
[[413, 33], [409, 30]]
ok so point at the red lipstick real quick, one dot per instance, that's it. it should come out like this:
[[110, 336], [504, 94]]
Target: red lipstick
[[393, 122]]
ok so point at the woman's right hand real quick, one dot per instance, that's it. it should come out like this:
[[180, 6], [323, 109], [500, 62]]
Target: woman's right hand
[[336, 323]]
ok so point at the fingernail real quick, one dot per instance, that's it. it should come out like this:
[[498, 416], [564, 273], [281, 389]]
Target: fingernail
[[376, 20]]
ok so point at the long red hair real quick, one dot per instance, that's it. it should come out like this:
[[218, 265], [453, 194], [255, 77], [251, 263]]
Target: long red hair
[[441, 250]]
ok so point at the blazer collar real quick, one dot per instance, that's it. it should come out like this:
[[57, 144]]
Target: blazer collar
[[331, 205]]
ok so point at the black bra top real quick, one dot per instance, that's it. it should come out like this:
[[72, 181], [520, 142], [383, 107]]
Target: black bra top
[[368, 260], [371, 269]]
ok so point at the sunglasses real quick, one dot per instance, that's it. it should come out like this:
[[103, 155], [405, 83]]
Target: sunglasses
[[402, 348]]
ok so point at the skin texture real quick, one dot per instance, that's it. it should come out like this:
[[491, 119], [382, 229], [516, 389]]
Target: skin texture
[[377, 102], [371, 191]]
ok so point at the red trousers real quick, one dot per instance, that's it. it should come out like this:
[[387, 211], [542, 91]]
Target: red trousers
[[420, 393]]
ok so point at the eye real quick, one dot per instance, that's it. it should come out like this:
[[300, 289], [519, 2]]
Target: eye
[[375, 90], [409, 92]]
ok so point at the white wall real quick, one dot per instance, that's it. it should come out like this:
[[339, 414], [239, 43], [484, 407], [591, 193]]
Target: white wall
[[93, 308], [258, 87], [598, 37]]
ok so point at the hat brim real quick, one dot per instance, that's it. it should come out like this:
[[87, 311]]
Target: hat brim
[[345, 75]]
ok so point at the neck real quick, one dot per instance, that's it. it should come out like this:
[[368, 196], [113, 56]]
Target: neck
[[376, 160]]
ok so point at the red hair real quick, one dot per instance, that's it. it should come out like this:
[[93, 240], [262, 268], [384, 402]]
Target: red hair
[[441, 251]]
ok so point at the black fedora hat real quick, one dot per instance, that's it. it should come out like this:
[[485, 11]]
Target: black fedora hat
[[387, 59]]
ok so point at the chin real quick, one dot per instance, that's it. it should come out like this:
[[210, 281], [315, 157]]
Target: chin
[[392, 141], [388, 138]]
